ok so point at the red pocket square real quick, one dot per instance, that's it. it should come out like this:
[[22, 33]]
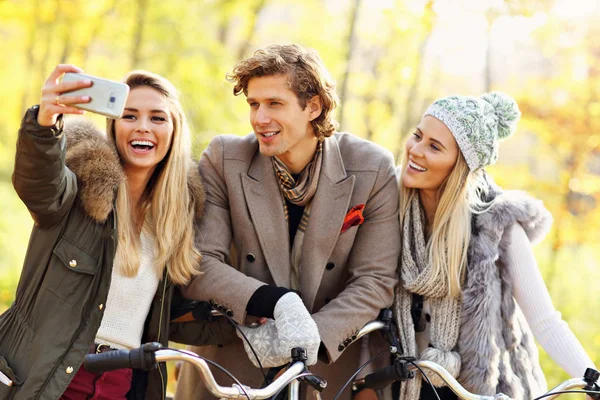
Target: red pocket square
[[354, 217]]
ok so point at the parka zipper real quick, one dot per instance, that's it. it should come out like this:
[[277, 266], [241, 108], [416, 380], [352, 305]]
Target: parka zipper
[[82, 324], [162, 307]]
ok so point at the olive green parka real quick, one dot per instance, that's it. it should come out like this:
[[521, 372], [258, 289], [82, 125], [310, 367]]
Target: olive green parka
[[68, 181]]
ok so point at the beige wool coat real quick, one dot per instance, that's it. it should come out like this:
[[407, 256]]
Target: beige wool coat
[[346, 278]]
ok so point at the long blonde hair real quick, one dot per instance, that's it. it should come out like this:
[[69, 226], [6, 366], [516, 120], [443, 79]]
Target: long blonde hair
[[168, 207], [448, 245]]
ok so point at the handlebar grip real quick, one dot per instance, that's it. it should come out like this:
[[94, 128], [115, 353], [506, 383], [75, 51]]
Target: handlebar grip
[[109, 361], [140, 358], [383, 377]]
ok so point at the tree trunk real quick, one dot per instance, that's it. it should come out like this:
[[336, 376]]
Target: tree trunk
[[409, 120], [487, 74], [245, 46], [30, 53], [138, 33], [349, 50], [43, 63], [224, 21], [99, 22]]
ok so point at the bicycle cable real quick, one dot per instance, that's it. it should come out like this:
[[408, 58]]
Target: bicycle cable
[[358, 372], [426, 378], [237, 327], [229, 374], [567, 392]]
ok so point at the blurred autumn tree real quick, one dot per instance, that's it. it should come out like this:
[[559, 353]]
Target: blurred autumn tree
[[391, 58]]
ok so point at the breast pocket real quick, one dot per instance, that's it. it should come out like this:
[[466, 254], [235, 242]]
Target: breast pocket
[[71, 271]]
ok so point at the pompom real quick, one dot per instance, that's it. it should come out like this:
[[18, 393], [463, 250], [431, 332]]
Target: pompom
[[506, 110]]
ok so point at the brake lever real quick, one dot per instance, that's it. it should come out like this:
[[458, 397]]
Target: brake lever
[[315, 382], [389, 333], [402, 368], [591, 378]]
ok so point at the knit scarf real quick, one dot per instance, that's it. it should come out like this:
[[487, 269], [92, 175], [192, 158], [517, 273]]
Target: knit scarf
[[416, 276], [301, 193]]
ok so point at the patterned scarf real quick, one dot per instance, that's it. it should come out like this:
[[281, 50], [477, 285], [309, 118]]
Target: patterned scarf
[[416, 276], [301, 193]]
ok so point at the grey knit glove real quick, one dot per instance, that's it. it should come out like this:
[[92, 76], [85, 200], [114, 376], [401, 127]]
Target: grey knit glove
[[264, 340], [296, 328], [293, 327]]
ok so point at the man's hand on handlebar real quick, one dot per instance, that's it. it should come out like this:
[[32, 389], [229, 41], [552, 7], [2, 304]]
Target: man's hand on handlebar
[[292, 327]]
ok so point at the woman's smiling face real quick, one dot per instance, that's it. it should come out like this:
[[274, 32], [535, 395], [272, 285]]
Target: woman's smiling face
[[144, 133], [431, 153]]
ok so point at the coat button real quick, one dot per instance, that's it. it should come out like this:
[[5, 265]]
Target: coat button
[[330, 266], [69, 370], [341, 347], [73, 263], [100, 307], [250, 257]]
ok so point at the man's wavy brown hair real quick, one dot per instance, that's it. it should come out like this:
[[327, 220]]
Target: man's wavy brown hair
[[307, 77]]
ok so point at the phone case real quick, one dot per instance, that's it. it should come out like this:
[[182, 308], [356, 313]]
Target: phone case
[[107, 97]]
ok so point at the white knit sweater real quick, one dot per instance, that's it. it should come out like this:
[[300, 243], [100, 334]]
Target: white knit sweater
[[531, 294], [129, 301]]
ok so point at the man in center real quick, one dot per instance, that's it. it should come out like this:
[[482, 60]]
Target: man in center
[[301, 223]]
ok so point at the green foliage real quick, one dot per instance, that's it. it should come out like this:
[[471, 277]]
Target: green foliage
[[15, 225], [399, 63]]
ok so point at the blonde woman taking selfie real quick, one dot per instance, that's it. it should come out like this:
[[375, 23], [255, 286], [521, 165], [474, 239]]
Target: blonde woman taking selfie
[[114, 234]]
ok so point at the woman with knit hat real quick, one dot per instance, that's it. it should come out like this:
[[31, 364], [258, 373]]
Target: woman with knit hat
[[470, 296]]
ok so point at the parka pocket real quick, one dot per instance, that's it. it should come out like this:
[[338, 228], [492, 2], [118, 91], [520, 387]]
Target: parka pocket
[[6, 392], [71, 270]]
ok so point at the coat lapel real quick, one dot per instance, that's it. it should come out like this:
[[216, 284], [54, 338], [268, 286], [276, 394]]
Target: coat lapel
[[266, 210], [329, 208]]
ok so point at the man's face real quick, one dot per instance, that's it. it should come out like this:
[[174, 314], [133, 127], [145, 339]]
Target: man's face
[[280, 124]]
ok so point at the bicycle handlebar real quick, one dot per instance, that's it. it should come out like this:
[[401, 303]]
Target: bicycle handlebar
[[398, 371], [149, 354], [404, 369]]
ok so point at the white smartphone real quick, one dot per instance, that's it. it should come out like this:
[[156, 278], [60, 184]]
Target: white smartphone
[[5, 379], [106, 97]]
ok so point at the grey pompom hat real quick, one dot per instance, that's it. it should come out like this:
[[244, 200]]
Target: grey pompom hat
[[478, 123]]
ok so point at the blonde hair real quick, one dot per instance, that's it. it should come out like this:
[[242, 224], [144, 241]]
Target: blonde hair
[[168, 207], [448, 245]]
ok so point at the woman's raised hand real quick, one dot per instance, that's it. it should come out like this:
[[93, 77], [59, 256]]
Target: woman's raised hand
[[53, 102]]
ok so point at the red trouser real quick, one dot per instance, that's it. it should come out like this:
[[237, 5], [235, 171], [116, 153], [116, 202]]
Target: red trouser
[[112, 385]]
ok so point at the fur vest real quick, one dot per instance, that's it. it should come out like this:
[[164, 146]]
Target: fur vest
[[495, 343], [496, 346]]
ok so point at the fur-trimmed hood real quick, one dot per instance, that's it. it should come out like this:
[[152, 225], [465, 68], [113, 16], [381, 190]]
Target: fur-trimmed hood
[[95, 162]]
